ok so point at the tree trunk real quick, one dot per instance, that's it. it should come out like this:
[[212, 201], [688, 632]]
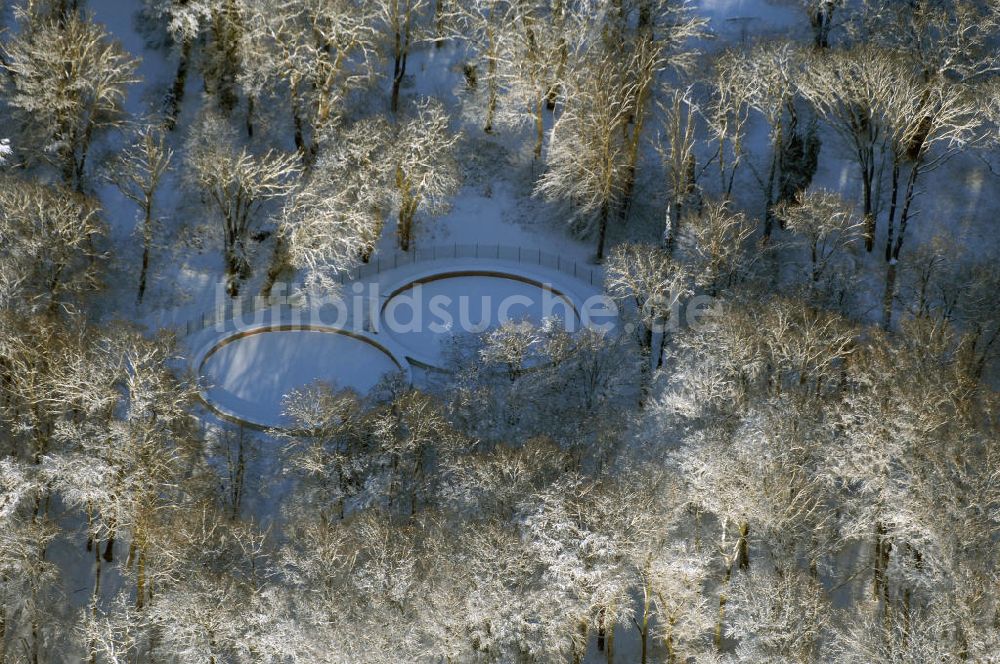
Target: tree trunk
[[882, 549], [776, 148], [722, 606], [904, 216], [405, 230], [890, 275], [3, 630], [602, 231], [492, 92], [889, 295], [610, 651], [539, 129], [300, 141], [664, 321], [232, 273], [140, 578], [92, 646], [869, 214], [743, 547], [439, 23], [147, 240], [643, 624], [398, 71], [176, 96], [249, 121], [279, 261], [669, 641], [891, 220], [601, 631]]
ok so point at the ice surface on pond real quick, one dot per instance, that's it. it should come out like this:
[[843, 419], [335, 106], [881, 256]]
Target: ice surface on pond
[[250, 375]]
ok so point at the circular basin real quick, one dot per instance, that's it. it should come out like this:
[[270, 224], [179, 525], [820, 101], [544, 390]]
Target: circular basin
[[246, 375], [422, 313]]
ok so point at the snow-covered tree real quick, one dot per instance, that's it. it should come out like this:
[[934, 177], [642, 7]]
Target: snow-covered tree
[[676, 576], [777, 615], [60, 121], [184, 22], [944, 39], [825, 223], [489, 26], [769, 73], [335, 220], [312, 53], [221, 56], [822, 14], [400, 23], [50, 254], [678, 153], [728, 116], [714, 242], [930, 122], [522, 381], [850, 89], [424, 173], [606, 93], [651, 284], [588, 155], [235, 184], [137, 171], [662, 42]]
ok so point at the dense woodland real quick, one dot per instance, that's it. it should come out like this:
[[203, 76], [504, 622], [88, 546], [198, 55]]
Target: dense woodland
[[812, 474]]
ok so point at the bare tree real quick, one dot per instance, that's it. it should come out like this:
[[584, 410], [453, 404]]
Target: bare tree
[[645, 277], [679, 160], [715, 241], [662, 41], [931, 122], [60, 121], [778, 614], [185, 21], [534, 53], [236, 184], [49, 255], [424, 170], [821, 15], [320, 236], [944, 39], [728, 114], [826, 224], [769, 73], [222, 60], [137, 172], [849, 90], [489, 25], [127, 452], [588, 156], [399, 22], [313, 51]]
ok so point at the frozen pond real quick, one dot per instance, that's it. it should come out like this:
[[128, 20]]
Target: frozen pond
[[247, 375]]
